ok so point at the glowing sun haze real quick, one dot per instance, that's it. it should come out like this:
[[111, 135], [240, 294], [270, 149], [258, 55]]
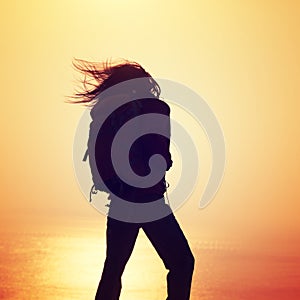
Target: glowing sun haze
[[242, 57]]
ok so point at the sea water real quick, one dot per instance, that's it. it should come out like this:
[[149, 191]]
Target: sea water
[[66, 264]]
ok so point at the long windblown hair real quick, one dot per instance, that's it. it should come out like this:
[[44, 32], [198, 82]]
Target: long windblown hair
[[100, 76]]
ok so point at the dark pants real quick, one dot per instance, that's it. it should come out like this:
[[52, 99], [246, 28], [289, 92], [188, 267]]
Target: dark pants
[[169, 242]]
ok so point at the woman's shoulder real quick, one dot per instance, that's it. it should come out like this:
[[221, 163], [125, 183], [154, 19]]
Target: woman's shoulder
[[155, 105], [130, 108]]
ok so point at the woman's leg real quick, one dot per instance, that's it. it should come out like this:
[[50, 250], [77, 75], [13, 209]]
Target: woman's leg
[[170, 243], [120, 239]]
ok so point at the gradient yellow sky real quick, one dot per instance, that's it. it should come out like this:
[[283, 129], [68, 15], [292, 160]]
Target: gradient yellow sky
[[241, 56]]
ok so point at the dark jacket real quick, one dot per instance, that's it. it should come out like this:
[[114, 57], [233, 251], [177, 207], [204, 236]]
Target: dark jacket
[[101, 138]]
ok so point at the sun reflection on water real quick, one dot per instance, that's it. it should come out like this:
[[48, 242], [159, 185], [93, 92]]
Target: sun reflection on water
[[68, 265]]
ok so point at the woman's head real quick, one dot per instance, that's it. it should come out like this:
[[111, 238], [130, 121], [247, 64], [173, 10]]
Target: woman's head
[[98, 77]]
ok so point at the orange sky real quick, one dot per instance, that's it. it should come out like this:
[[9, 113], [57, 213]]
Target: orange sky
[[241, 56]]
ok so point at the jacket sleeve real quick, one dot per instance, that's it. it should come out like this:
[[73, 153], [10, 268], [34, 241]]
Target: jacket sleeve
[[160, 143]]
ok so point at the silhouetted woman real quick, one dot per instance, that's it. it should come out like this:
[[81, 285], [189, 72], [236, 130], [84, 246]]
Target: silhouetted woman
[[129, 154]]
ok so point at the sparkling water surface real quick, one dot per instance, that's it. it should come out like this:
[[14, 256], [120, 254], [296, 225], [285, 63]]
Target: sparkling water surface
[[67, 264]]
